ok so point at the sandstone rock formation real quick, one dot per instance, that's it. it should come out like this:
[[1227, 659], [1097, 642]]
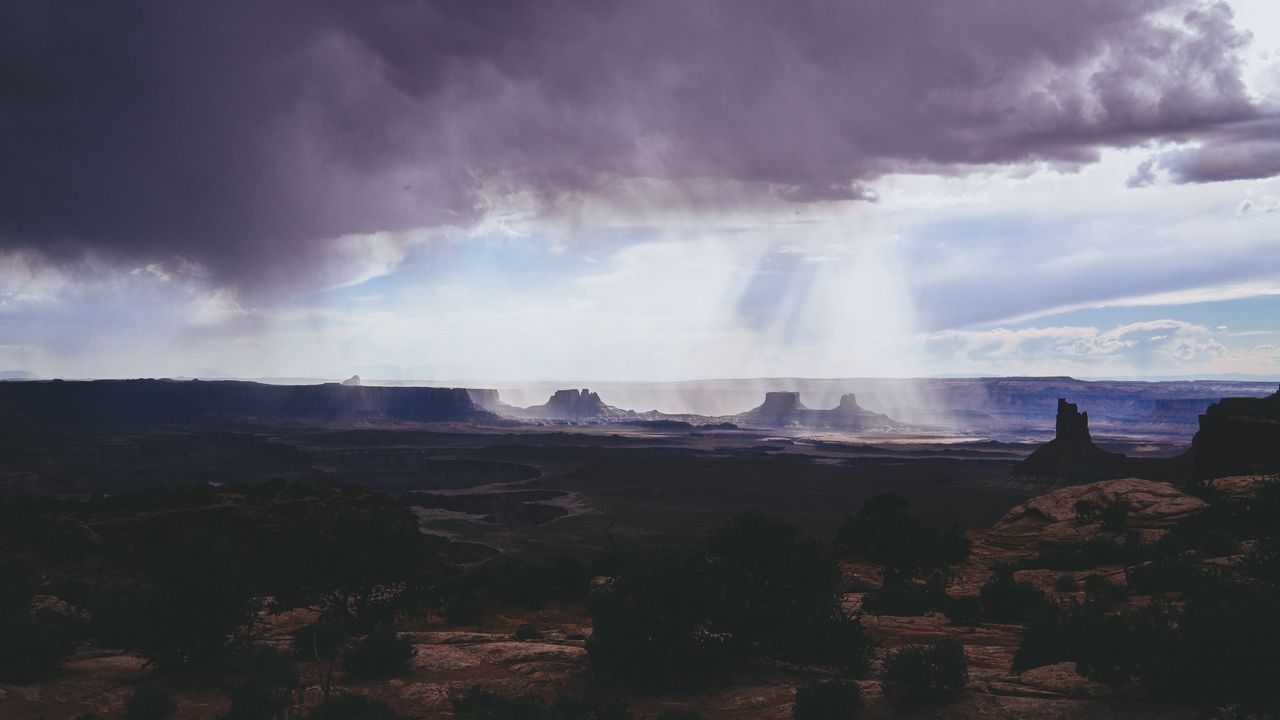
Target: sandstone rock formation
[[1070, 457], [784, 409], [1238, 436], [574, 405], [1053, 519]]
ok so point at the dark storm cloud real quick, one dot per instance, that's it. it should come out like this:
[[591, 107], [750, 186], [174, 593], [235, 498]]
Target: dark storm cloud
[[241, 134], [1244, 152]]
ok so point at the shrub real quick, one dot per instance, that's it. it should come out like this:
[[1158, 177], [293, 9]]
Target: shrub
[[528, 632], [775, 592], [914, 674], [356, 707], [1218, 543], [319, 640], [1165, 573], [479, 704], [649, 624], [33, 644], [1065, 583], [965, 610], [261, 681], [1103, 592], [885, 532], [682, 715], [1087, 511], [151, 702], [905, 597], [827, 700], [382, 653], [1115, 517], [1010, 601]]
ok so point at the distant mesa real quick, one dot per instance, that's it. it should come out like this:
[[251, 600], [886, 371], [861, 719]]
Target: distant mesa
[[574, 405], [1070, 458], [1238, 436], [784, 410], [353, 380], [18, 375], [131, 403]]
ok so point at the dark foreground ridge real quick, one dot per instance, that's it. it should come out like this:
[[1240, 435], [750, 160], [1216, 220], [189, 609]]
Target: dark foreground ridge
[[60, 403], [1238, 436]]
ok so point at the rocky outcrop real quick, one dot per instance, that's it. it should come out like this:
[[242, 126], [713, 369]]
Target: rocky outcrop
[[1238, 436], [1055, 519], [1070, 457], [574, 405], [488, 399], [353, 380], [784, 409]]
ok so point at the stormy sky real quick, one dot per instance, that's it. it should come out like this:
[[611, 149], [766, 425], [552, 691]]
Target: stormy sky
[[640, 190]]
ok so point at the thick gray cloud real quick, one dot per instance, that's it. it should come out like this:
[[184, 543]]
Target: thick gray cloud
[[240, 134]]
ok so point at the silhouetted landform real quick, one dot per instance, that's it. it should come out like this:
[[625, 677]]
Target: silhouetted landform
[[1071, 457], [1005, 408], [784, 410], [573, 405], [353, 380], [150, 402], [1238, 436]]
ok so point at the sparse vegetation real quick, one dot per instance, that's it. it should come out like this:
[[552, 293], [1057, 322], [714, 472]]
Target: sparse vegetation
[[672, 618], [480, 704], [382, 653], [914, 674], [350, 706], [1010, 601], [828, 700], [150, 702], [907, 546]]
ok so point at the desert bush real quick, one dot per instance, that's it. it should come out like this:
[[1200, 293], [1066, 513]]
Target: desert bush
[[682, 715], [828, 700], [907, 597], [1103, 592], [1065, 583], [1009, 601], [528, 632], [1218, 543], [151, 702], [964, 610], [671, 618], [355, 707], [260, 681], [525, 582], [382, 653], [776, 592], [1087, 511], [480, 704], [650, 624], [913, 674], [319, 640], [33, 644], [1166, 573], [884, 531], [1115, 517], [1106, 644]]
